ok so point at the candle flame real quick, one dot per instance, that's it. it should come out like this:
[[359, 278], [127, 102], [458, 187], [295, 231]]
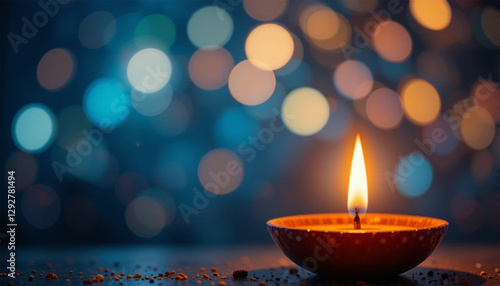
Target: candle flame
[[358, 186]]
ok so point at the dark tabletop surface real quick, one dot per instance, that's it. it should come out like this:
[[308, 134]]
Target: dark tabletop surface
[[449, 265]]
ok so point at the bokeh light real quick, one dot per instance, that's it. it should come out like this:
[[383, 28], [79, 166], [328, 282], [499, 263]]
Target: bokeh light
[[255, 99], [431, 14], [455, 115], [209, 69], [305, 111], [233, 127], [145, 217], [392, 41], [210, 26], [151, 104], [105, 103], [56, 69], [265, 10], [421, 101], [97, 29], [269, 47], [322, 24], [41, 206], [149, 70], [26, 168], [413, 175], [384, 109], [353, 79], [220, 171], [339, 40], [148, 214], [360, 104], [242, 83], [487, 95], [325, 29], [458, 32], [155, 30], [477, 128], [34, 128]]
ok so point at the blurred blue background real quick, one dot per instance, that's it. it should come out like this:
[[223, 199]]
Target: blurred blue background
[[116, 116]]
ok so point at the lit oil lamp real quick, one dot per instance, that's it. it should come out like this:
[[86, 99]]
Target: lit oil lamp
[[357, 243]]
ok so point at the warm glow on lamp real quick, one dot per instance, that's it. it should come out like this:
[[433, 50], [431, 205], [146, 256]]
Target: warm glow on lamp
[[362, 250], [357, 197]]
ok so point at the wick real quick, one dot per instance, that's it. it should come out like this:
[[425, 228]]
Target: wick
[[357, 221]]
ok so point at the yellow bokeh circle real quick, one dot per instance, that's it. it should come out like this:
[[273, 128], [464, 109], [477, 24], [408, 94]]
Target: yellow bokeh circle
[[421, 102], [477, 128], [323, 24], [305, 111], [269, 47], [431, 14]]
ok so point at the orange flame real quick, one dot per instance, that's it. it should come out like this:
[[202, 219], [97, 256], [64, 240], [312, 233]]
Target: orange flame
[[358, 186]]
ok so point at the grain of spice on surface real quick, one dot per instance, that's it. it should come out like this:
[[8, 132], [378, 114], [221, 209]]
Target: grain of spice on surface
[[240, 274]]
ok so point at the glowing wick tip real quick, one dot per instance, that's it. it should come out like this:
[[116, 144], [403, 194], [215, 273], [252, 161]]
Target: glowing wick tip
[[357, 221]]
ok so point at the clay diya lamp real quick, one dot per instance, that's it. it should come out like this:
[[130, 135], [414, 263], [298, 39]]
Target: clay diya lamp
[[357, 244]]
